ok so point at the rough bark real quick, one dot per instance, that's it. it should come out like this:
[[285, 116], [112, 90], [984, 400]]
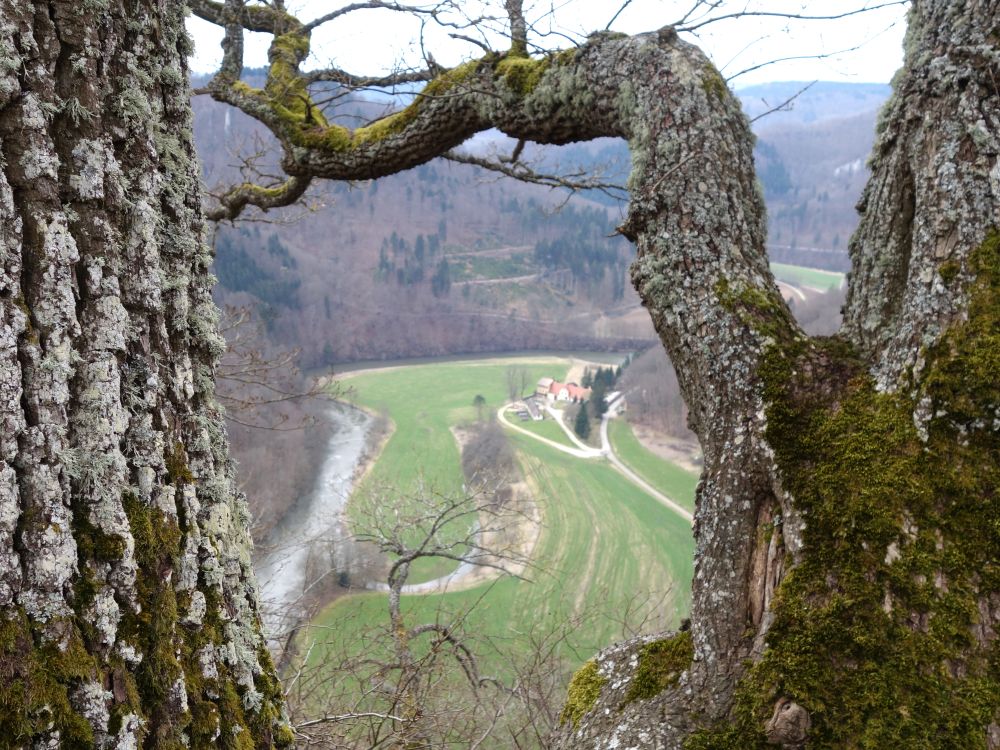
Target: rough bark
[[934, 189], [128, 610], [845, 586]]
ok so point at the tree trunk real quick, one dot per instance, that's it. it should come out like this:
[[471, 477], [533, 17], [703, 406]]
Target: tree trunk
[[128, 610], [846, 587], [846, 590]]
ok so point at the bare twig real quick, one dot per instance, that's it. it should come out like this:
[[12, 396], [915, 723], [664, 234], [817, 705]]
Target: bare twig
[[372, 5], [618, 12], [790, 16], [519, 171], [776, 60], [784, 106]]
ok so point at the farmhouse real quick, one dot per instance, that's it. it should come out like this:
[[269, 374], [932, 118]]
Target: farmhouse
[[542, 389], [553, 390]]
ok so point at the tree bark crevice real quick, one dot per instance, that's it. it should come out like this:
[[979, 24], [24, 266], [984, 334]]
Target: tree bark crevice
[[118, 508]]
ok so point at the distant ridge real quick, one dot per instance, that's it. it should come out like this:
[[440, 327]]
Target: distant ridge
[[822, 100]]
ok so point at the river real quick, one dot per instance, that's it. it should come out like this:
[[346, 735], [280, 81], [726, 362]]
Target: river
[[314, 527]]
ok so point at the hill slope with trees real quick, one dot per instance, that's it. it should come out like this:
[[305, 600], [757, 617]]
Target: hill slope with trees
[[448, 259]]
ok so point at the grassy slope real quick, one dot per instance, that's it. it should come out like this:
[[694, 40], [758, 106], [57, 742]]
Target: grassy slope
[[675, 482], [813, 277], [602, 541], [547, 428]]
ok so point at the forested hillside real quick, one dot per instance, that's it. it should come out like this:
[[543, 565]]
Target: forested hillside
[[449, 258], [442, 259]]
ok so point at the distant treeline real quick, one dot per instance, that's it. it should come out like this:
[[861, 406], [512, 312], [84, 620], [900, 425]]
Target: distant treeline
[[407, 264], [580, 240], [237, 270]]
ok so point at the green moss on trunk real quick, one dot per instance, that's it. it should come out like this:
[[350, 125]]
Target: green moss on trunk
[[522, 74], [176, 463], [874, 632], [584, 690], [36, 677], [713, 84], [660, 666], [152, 630]]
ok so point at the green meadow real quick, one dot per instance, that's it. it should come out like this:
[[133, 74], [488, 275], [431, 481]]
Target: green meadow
[[547, 428], [676, 483], [604, 547], [812, 277], [424, 402]]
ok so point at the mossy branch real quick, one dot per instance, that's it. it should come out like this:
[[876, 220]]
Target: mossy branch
[[584, 690], [235, 200], [448, 106]]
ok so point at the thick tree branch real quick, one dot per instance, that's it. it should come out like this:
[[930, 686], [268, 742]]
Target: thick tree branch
[[351, 80], [235, 200], [259, 18]]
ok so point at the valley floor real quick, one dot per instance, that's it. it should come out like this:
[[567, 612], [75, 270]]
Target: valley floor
[[606, 553]]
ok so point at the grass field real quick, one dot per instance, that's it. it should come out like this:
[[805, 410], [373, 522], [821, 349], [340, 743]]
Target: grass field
[[547, 428], [605, 547], [802, 276], [604, 543], [471, 267], [673, 481], [423, 402]]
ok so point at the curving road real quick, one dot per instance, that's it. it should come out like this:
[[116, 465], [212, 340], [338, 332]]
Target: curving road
[[584, 451], [465, 574], [636, 479], [457, 580], [581, 452]]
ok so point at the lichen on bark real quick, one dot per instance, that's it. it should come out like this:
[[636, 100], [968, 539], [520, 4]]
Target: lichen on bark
[[107, 331]]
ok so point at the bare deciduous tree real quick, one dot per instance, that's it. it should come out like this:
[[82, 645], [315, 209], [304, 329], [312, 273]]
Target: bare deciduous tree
[[411, 677], [516, 377]]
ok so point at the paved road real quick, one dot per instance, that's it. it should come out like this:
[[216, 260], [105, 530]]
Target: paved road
[[635, 478], [792, 290], [584, 451], [454, 581], [556, 415]]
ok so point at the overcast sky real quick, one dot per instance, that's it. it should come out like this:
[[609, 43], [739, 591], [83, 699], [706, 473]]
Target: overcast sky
[[373, 41]]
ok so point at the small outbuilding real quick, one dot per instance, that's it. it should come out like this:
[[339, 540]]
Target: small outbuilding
[[532, 407], [542, 389]]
